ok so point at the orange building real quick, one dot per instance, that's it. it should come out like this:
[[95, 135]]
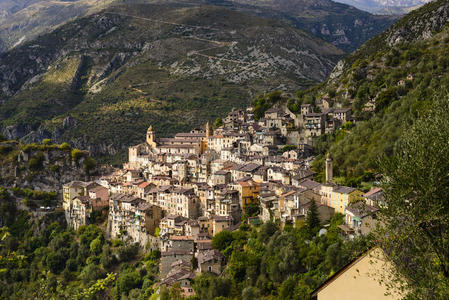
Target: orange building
[[248, 191]]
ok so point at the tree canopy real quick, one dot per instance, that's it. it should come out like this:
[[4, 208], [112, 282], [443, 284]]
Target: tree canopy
[[416, 216]]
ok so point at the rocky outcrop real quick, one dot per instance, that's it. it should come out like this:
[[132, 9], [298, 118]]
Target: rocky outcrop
[[55, 167], [421, 24]]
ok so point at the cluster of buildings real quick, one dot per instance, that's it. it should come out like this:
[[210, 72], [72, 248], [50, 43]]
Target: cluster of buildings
[[175, 194]]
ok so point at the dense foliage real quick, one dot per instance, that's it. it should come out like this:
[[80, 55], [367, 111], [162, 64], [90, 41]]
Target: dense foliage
[[416, 231], [401, 82], [273, 263], [42, 259]]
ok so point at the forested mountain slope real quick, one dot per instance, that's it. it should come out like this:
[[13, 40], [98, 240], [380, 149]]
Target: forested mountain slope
[[389, 81]]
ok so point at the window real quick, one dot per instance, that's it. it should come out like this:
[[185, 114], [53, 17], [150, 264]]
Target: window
[[210, 268]]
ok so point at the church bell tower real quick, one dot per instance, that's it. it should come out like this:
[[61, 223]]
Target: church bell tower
[[329, 168], [151, 137]]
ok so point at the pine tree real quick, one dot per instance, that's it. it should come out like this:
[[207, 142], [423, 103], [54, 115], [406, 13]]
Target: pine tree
[[313, 219]]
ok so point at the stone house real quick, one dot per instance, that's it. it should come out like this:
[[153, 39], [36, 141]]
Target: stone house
[[314, 124], [220, 223], [171, 256], [279, 174], [268, 201], [375, 197], [221, 177], [75, 188], [143, 189], [361, 217], [342, 114], [131, 218], [79, 212], [205, 224], [325, 212], [180, 272], [172, 224], [100, 197], [210, 261]]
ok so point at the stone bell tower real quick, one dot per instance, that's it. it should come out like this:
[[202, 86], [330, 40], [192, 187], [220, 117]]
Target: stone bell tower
[[151, 137], [329, 168], [208, 131]]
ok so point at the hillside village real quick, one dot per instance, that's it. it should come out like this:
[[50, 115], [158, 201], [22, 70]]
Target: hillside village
[[175, 194]]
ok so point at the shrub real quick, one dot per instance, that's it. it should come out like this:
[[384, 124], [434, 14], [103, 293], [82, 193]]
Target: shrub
[[65, 146], [126, 253], [127, 281], [117, 243], [35, 163], [77, 154], [55, 262], [222, 240], [89, 164]]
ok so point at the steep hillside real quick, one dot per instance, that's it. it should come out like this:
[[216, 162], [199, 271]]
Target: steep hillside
[[23, 20], [391, 80], [340, 24], [99, 81]]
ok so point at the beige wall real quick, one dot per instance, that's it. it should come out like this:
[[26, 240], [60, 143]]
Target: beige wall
[[361, 280]]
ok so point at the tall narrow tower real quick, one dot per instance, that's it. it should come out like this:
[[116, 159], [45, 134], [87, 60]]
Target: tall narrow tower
[[208, 133], [329, 168], [151, 137]]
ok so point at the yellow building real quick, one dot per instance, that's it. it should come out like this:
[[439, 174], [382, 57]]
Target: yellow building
[[341, 196], [75, 188], [249, 191], [368, 277]]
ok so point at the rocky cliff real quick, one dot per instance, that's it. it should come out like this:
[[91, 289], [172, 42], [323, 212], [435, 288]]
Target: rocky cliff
[[43, 167]]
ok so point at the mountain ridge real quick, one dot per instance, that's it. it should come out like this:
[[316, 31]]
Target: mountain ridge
[[337, 23], [377, 6]]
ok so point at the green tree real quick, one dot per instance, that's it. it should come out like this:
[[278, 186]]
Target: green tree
[[313, 219], [208, 286], [218, 122], [89, 164], [107, 258], [267, 230], [416, 216], [95, 246], [91, 273], [222, 240], [252, 209], [128, 252], [127, 281], [55, 262]]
